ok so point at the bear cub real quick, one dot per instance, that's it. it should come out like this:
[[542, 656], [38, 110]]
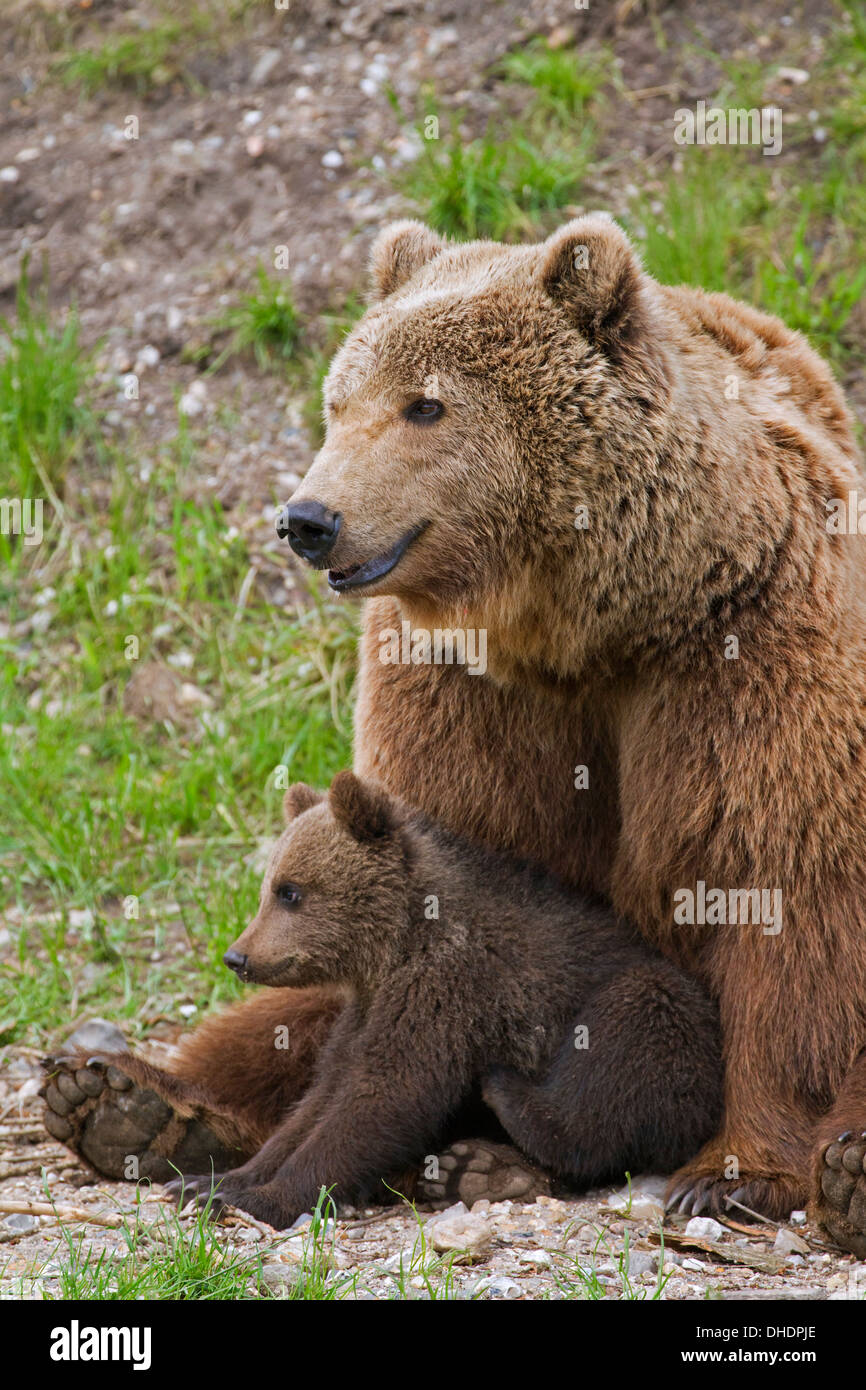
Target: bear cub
[[462, 967]]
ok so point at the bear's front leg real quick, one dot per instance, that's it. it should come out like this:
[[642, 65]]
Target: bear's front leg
[[760, 1158]]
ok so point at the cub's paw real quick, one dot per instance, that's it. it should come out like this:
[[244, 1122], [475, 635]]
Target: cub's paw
[[840, 1207], [122, 1129], [473, 1169], [268, 1202], [198, 1189], [705, 1194]]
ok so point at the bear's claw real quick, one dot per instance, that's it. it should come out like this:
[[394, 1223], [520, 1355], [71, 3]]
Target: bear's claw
[[707, 1195]]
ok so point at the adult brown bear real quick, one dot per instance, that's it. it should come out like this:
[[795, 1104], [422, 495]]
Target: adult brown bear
[[634, 491]]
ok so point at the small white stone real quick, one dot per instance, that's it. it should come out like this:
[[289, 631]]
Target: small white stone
[[789, 1243], [459, 1230], [500, 1286], [704, 1228], [332, 160], [641, 1205], [534, 1257], [147, 357], [9, 174]]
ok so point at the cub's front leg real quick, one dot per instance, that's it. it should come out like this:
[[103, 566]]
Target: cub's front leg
[[227, 1188], [392, 1101]]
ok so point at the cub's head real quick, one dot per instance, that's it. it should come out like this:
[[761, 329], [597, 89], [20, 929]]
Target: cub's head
[[487, 393], [334, 888]]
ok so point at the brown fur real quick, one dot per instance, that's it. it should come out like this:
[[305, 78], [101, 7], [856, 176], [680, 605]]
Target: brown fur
[[607, 645], [489, 983], [566, 385]]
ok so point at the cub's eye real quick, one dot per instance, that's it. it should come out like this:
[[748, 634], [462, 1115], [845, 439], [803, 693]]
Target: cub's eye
[[288, 894], [425, 411]]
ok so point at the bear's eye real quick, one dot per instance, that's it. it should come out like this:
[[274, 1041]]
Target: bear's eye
[[288, 894], [425, 411]]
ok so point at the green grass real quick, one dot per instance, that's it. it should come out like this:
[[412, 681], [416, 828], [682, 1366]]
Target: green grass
[[518, 172], [696, 237], [785, 236], [102, 806], [264, 322], [312, 367], [579, 1281], [142, 61], [164, 1259], [564, 82], [157, 50], [44, 419]]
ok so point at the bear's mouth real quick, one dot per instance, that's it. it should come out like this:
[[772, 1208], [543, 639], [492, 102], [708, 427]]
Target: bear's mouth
[[356, 576]]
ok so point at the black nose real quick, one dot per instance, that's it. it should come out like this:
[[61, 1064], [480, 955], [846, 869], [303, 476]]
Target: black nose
[[310, 528], [235, 961]]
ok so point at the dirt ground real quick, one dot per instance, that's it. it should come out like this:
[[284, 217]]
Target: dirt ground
[[524, 1251]]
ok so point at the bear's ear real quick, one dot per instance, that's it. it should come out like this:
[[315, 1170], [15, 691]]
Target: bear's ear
[[298, 799], [590, 268], [399, 250], [361, 808]]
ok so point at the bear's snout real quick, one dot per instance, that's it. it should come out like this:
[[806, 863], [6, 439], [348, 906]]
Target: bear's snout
[[235, 961], [310, 528]]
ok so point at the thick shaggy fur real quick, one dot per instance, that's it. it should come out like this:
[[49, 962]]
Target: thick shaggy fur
[[705, 440], [453, 961]]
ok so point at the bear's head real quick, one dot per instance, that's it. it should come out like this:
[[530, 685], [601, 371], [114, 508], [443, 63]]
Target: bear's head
[[544, 443], [490, 398], [336, 886]]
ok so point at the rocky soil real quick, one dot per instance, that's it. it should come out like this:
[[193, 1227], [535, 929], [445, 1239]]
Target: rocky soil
[[606, 1244]]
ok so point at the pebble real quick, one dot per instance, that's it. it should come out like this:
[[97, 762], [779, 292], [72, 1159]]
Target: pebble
[[148, 357], [788, 1243], [21, 1223], [459, 1229], [332, 160], [642, 1206], [704, 1228], [9, 174], [264, 66], [194, 398], [641, 1262], [97, 1035], [498, 1287], [541, 1258]]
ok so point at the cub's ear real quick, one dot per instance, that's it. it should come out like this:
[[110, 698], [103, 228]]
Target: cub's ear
[[362, 809], [590, 268], [399, 250], [298, 799]]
